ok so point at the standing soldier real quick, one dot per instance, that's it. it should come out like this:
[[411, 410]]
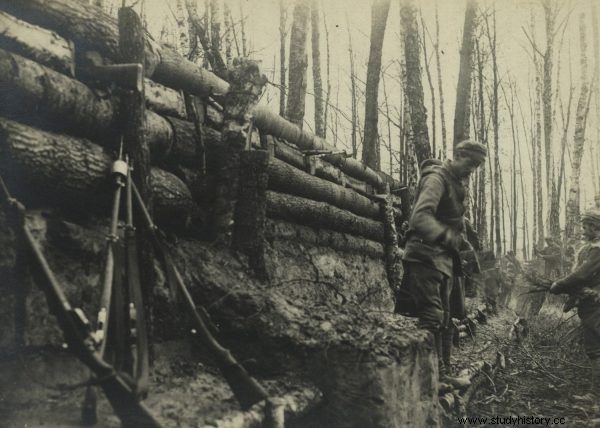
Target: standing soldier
[[583, 286], [435, 237]]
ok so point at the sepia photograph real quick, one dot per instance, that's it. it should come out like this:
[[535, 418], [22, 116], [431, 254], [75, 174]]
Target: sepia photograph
[[299, 213]]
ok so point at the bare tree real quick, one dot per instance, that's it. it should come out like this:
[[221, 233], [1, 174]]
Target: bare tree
[[316, 69], [431, 90], [282, 41], [327, 97], [439, 78], [298, 63], [491, 36], [596, 85], [354, 120], [462, 109], [572, 223], [413, 86], [370, 151]]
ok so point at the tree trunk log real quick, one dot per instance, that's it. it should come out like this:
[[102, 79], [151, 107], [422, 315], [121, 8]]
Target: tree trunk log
[[321, 215], [50, 167], [37, 43], [86, 25], [298, 63], [164, 100], [63, 104], [414, 87], [283, 230], [287, 179], [247, 85], [371, 149], [393, 256], [91, 29], [462, 109], [250, 210], [273, 124]]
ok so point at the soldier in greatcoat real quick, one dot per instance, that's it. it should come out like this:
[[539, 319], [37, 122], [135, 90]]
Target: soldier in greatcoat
[[435, 237]]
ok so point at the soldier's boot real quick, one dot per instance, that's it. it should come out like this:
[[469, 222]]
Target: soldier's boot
[[445, 362]]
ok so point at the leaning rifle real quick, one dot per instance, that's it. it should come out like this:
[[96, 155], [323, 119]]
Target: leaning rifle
[[246, 389], [75, 326]]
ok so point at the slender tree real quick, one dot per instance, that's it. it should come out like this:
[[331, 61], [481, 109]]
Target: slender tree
[[462, 109], [298, 63], [439, 79], [491, 35], [431, 90], [413, 86], [354, 106], [371, 150], [572, 223], [282, 41], [328, 93], [316, 69]]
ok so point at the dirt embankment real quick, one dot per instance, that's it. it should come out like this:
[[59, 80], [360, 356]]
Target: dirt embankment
[[320, 331]]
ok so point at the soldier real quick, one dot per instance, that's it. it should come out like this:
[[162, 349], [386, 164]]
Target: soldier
[[551, 256], [435, 236], [583, 286]]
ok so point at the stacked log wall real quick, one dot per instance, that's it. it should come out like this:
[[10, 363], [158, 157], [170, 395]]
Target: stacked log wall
[[38, 95]]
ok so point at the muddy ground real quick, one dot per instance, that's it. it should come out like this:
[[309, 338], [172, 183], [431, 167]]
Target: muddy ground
[[547, 373]]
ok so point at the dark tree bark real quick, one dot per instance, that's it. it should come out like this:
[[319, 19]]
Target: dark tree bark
[[73, 173], [322, 216], [316, 69], [37, 43], [414, 87], [371, 149], [287, 179], [462, 110], [298, 64]]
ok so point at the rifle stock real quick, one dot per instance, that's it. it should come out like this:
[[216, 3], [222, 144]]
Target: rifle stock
[[76, 328]]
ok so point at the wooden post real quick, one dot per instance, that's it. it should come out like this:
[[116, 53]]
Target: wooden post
[[251, 208], [246, 86], [393, 257], [133, 109]]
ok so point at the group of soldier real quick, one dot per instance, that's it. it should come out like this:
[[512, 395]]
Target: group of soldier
[[436, 238]]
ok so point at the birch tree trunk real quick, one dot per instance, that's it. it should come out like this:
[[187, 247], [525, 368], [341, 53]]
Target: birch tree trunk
[[572, 225], [371, 149], [298, 64]]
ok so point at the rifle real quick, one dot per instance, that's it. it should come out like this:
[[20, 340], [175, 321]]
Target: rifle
[[246, 389], [75, 326]]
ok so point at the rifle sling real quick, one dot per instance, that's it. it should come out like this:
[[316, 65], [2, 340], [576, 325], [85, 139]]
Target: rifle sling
[[120, 395]]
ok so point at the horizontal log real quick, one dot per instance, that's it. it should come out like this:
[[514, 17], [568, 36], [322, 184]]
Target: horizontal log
[[86, 25], [37, 43], [75, 172], [164, 100], [321, 215], [92, 29], [283, 230], [294, 157], [271, 123], [285, 178], [60, 103]]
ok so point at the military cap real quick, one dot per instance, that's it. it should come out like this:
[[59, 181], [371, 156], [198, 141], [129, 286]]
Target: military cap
[[591, 215], [472, 149]]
